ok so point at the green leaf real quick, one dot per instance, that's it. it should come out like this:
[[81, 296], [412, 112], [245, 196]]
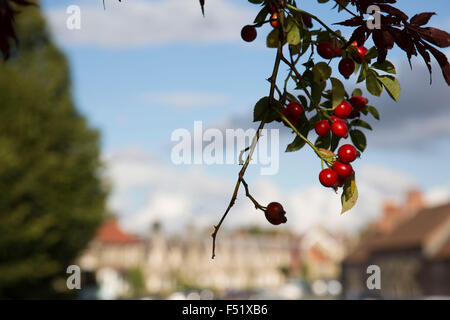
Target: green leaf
[[374, 112], [303, 101], [334, 142], [316, 91], [296, 145], [298, 142], [357, 92], [262, 15], [273, 39], [291, 97], [358, 139], [323, 142], [372, 84], [362, 73], [338, 92], [392, 86], [322, 72], [386, 66], [360, 123], [260, 108], [327, 155], [293, 32], [349, 194], [372, 53]]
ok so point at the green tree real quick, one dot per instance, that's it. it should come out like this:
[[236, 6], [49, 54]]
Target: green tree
[[51, 196]]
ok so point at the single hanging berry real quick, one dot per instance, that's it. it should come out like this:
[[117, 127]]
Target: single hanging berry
[[346, 67]]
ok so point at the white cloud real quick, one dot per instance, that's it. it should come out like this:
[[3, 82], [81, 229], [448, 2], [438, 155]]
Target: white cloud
[[134, 23], [146, 190], [185, 99]]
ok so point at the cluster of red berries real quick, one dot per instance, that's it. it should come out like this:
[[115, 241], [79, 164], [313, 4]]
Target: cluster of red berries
[[338, 125], [331, 49], [248, 32], [275, 213], [342, 169]]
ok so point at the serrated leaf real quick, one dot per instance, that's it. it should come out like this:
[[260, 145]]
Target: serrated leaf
[[392, 86], [349, 194]]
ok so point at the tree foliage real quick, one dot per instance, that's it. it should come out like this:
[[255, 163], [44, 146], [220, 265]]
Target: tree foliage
[[51, 196]]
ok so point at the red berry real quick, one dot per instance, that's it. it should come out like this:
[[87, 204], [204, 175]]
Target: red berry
[[248, 33], [322, 128], [341, 181], [354, 115], [360, 54], [326, 50], [334, 119], [343, 170], [338, 51], [339, 129], [343, 109], [274, 22], [307, 20], [346, 67], [294, 110], [292, 120], [347, 153], [328, 177], [358, 103], [275, 213]]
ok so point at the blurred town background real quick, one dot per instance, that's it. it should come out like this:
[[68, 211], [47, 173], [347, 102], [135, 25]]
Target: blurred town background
[[86, 179], [410, 243]]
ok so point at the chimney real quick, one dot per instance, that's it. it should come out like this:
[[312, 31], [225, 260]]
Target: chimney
[[414, 201]]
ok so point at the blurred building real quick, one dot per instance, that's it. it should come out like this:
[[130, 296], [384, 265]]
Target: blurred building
[[411, 245], [245, 260]]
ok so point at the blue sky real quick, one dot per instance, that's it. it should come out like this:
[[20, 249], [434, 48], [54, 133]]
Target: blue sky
[[137, 79]]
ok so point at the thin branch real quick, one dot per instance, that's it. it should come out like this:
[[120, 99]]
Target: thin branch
[[273, 80], [247, 193], [346, 9], [318, 20]]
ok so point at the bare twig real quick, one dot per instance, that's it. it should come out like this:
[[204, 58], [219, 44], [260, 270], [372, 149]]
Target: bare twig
[[273, 80]]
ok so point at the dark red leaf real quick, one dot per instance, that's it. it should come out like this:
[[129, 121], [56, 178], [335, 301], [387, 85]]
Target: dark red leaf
[[422, 18], [441, 59], [426, 57], [353, 22], [393, 11], [437, 37]]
